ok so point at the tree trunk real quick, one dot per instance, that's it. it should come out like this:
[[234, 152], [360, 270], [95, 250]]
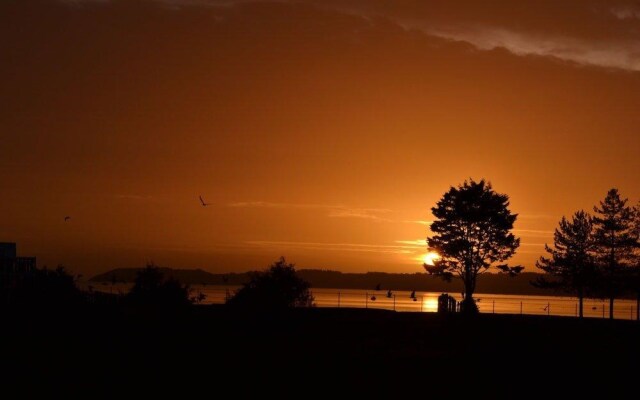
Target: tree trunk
[[468, 305], [611, 300], [468, 293], [580, 302]]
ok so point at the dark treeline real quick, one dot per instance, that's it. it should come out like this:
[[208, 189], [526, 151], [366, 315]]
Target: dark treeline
[[596, 255], [189, 276], [487, 283]]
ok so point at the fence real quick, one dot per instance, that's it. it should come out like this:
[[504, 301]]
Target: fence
[[428, 301]]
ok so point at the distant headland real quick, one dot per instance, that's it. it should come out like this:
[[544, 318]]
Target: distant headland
[[487, 283]]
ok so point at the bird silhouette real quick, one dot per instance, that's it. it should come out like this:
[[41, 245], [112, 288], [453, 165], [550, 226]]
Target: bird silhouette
[[389, 293], [373, 298], [545, 307], [204, 204], [67, 218], [412, 295]]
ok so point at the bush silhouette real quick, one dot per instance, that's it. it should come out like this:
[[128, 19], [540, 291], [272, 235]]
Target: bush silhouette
[[279, 287], [43, 288], [152, 288]]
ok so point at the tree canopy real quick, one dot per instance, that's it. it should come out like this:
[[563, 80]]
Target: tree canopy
[[571, 264], [616, 240], [43, 288], [472, 232], [279, 287]]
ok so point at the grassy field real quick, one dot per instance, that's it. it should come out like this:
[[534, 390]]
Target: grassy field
[[208, 350]]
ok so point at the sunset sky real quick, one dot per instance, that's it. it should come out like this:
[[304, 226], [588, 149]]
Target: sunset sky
[[322, 130]]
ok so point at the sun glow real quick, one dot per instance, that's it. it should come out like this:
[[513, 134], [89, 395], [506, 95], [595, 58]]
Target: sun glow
[[430, 257], [430, 304]]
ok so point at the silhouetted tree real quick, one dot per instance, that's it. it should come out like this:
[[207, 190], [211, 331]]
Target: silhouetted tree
[[471, 233], [44, 288], [572, 264], [279, 287], [152, 288], [616, 241]]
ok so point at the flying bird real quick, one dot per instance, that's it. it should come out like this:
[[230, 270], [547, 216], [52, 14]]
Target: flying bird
[[67, 218], [204, 204]]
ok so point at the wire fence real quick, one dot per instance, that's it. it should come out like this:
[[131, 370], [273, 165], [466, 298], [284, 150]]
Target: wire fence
[[404, 301]]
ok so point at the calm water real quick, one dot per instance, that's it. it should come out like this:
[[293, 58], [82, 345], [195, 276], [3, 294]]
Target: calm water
[[427, 301]]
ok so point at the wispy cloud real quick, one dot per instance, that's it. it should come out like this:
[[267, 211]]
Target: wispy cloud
[[266, 204], [541, 245], [533, 233], [420, 222], [529, 252], [610, 54], [363, 213], [349, 247], [536, 216], [406, 247], [622, 52], [626, 12], [420, 243], [333, 211]]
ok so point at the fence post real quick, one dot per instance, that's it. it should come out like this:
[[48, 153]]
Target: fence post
[[421, 302], [394, 302], [548, 308], [576, 309], [366, 300], [338, 299], [603, 310], [520, 308], [494, 307]]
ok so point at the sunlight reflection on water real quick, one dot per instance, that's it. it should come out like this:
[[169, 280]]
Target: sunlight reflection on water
[[425, 301]]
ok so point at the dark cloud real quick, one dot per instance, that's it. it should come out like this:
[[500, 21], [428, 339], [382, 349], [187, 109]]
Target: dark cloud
[[595, 33]]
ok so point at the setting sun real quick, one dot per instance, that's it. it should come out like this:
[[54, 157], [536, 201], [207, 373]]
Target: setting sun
[[430, 257], [430, 304]]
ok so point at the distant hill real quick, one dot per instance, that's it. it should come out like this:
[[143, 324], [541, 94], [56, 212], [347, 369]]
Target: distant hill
[[487, 283], [191, 276]]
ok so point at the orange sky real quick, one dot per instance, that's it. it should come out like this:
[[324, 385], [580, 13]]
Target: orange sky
[[319, 130]]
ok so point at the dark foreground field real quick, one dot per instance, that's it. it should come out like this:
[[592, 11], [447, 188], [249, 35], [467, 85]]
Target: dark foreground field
[[214, 352]]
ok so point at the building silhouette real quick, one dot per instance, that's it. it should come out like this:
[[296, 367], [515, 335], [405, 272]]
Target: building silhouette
[[12, 267]]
